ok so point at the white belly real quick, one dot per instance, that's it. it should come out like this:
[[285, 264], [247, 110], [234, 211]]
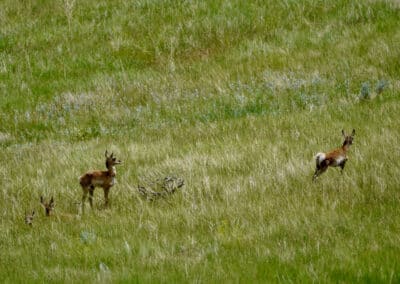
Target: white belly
[[338, 161], [97, 182], [100, 182]]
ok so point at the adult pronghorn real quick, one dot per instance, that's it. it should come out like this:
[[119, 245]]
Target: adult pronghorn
[[97, 178], [334, 158]]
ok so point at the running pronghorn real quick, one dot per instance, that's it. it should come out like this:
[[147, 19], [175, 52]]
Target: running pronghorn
[[104, 179], [334, 158], [48, 206]]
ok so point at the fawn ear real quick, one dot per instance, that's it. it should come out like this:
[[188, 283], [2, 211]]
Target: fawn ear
[[353, 132], [344, 134]]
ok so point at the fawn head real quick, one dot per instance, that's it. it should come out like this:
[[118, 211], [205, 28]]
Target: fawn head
[[29, 218], [348, 139], [48, 206], [111, 160]]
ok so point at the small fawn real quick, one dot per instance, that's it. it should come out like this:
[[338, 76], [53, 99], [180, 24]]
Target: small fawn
[[334, 158], [29, 218], [48, 206], [97, 178]]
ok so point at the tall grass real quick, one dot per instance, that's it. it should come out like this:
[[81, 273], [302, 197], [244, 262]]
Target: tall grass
[[236, 97]]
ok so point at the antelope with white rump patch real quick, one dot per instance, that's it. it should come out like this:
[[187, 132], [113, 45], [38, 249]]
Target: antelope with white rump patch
[[334, 158], [97, 178]]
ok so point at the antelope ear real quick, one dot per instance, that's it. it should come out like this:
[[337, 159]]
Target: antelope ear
[[353, 132], [51, 200], [112, 155], [344, 134], [105, 154], [42, 201], [33, 213]]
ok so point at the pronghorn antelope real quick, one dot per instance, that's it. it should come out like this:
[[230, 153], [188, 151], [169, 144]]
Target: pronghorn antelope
[[334, 158], [29, 218], [97, 178], [48, 206]]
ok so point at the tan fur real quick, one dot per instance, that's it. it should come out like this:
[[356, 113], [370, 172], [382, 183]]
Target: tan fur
[[104, 179]]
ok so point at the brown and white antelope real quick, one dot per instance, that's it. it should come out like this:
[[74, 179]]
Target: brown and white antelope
[[29, 218], [334, 158], [105, 179], [48, 206]]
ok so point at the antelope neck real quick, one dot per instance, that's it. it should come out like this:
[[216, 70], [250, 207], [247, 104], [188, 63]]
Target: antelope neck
[[345, 146], [112, 171]]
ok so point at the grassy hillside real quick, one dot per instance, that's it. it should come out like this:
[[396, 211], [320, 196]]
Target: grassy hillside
[[236, 97]]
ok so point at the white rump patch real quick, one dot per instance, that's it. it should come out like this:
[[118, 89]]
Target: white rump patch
[[320, 157]]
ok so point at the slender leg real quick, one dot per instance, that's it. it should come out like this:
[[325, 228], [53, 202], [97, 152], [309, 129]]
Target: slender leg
[[91, 190], [342, 166], [320, 171], [106, 191], [315, 174], [85, 193], [317, 169]]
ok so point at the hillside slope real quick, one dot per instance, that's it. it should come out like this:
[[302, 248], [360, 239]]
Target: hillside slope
[[236, 98]]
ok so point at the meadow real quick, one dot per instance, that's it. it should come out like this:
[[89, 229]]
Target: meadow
[[235, 97]]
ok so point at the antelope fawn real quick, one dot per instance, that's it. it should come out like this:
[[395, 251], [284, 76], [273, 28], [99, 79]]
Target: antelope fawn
[[97, 178], [334, 158], [48, 206], [29, 218]]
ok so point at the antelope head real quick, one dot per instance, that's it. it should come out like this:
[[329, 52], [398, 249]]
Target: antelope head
[[348, 139], [111, 160], [29, 218], [48, 206]]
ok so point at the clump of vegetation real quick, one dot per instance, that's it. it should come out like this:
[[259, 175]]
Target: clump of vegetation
[[160, 188], [380, 86], [365, 92]]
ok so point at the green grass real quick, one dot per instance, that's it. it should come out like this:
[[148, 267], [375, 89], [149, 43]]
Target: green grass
[[236, 97]]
